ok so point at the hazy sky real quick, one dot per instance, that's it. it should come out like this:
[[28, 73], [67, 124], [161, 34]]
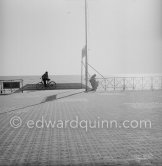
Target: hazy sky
[[124, 36]]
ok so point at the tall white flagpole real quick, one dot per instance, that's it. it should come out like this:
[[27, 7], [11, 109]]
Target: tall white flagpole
[[86, 49], [81, 71]]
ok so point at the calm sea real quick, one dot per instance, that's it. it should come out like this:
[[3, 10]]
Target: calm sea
[[67, 78], [36, 79]]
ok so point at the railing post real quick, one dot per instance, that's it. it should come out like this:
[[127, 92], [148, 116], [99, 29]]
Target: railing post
[[105, 84], [22, 85], [133, 84], [114, 83], [142, 83], [3, 90], [152, 86], [123, 83], [1, 87]]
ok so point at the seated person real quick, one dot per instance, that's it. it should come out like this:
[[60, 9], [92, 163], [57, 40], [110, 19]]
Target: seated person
[[45, 78]]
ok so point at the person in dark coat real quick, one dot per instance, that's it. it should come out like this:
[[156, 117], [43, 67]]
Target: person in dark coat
[[93, 82], [45, 78]]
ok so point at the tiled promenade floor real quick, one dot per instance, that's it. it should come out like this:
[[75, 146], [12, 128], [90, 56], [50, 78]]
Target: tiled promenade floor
[[35, 142]]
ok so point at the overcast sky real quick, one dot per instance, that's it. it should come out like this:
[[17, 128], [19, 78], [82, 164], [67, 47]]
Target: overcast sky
[[124, 36]]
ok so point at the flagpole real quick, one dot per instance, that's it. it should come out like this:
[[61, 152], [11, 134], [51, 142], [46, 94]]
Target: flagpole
[[86, 49], [81, 71]]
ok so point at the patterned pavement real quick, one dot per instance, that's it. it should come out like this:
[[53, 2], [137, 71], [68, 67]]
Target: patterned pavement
[[61, 144]]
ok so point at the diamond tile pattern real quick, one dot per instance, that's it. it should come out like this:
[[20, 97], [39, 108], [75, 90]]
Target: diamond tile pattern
[[76, 146]]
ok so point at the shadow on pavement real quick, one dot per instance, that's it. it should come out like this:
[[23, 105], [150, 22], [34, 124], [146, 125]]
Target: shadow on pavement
[[54, 97], [47, 99]]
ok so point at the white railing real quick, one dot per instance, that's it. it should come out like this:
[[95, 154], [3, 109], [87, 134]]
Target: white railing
[[130, 83]]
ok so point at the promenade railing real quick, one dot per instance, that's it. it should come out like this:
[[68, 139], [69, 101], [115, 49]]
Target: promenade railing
[[130, 83]]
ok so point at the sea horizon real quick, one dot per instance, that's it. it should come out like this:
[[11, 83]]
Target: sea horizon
[[33, 79]]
